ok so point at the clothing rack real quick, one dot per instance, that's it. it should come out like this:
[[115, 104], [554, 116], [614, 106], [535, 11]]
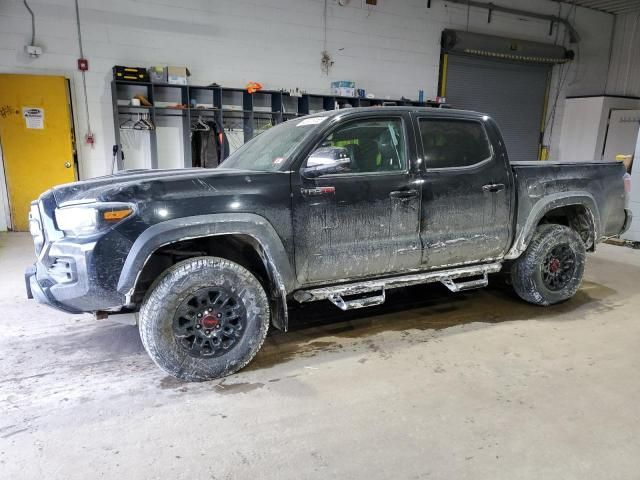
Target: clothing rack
[[233, 108]]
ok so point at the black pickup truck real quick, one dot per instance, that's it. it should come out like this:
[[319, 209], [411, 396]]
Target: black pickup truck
[[337, 206]]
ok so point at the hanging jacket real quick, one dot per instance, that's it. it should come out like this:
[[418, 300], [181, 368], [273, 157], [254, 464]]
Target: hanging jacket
[[209, 148]]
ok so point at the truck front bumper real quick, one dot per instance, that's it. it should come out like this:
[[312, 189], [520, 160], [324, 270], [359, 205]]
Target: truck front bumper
[[41, 293], [65, 277]]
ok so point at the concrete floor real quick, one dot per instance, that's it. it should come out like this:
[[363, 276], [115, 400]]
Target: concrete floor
[[434, 385]]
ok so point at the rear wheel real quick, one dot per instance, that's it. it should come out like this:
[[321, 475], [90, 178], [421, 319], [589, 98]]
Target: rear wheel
[[551, 268], [204, 318]]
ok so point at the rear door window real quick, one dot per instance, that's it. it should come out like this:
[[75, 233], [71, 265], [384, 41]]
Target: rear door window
[[451, 143]]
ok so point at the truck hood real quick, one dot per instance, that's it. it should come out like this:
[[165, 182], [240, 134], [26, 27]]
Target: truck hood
[[136, 185]]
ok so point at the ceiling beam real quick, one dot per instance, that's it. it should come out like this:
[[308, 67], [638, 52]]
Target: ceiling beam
[[626, 10], [574, 37], [608, 6]]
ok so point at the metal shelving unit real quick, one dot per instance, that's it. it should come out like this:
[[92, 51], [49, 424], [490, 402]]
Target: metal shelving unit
[[232, 108]]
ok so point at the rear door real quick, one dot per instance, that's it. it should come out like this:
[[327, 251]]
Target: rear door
[[364, 222], [466, 191]]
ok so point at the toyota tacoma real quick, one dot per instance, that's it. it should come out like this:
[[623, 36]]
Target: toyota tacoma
[[339, 206]]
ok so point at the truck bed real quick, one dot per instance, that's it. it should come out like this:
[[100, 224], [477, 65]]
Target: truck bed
[[598, 184]]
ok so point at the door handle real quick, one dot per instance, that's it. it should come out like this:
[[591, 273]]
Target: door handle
[[404, 195], [493, 187]]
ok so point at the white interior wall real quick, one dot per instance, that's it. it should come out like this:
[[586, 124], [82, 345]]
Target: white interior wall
[[581, 123], [624, 72], [392, 49], [586, 75]]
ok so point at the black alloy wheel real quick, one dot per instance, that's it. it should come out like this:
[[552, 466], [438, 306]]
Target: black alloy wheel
[[209, 322], [558, 267]]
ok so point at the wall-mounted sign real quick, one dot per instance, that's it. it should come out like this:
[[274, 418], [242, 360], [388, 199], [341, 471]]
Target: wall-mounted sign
[[34, 117]]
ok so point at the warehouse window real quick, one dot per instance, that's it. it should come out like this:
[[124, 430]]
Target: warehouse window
[[453, 143], [374, 145]]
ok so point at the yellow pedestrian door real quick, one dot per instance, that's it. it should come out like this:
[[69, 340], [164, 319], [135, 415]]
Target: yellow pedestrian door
[[36, 139]]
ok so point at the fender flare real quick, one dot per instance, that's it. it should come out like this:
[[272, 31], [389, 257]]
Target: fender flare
[[525, 233], [266, 241]]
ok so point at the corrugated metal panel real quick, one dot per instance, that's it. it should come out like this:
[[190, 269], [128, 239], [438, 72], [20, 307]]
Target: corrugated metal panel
[[617, 7], [624, 69], [512, 93]]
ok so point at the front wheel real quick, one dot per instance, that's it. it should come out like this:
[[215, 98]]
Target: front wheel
[[551, 268], [204, 318]]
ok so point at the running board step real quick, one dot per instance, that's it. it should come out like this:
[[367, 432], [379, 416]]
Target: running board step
[[345, 305], [468, 285], [337, 293]]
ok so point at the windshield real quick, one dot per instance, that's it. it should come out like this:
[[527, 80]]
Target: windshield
[[271, 149]]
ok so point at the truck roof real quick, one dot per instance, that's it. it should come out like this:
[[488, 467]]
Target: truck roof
[[397, 108]]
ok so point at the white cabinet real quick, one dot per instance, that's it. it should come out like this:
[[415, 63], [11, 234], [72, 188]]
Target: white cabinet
[[585, 124], [622, 134]]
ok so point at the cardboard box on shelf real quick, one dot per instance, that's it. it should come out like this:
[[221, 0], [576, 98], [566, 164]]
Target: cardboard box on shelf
[[626, 159], [343, 88], [177, 75], [157, 74]]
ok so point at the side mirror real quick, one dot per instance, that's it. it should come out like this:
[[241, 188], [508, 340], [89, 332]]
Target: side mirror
[[327, 160]]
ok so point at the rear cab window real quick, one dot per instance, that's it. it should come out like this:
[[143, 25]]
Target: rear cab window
[[453, 143]]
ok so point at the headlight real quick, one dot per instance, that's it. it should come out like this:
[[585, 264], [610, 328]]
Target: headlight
[[82, 220]]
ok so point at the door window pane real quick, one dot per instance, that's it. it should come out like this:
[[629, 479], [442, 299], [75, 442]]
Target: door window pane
[[374, 145], [453, 143]]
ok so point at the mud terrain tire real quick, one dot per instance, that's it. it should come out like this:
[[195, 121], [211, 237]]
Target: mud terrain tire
[[551, 268], [204, 318]]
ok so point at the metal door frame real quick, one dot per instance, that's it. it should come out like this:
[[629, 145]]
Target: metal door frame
[[6, 207]]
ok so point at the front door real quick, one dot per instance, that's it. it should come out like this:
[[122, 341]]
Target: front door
[[36, 139], [466, 192], [363, 222]]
